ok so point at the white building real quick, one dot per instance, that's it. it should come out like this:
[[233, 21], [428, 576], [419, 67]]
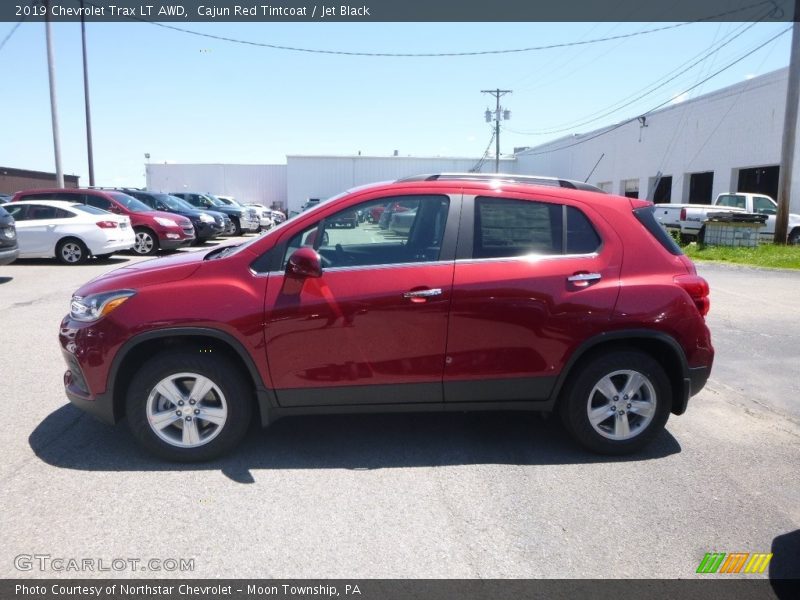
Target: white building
[[264, 184], [727, 140]]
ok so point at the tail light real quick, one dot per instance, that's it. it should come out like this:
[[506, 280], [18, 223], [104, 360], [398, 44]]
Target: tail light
[[683, 214], [698, 291], [107, 224]]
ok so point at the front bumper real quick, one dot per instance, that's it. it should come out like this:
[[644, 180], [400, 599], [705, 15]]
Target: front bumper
[[8, 255], [207, 231], [250, 225]]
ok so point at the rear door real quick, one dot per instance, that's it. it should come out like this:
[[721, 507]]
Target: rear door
[[372, 329], [532, 279]]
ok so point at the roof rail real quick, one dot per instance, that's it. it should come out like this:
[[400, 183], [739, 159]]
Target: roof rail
[[112, 187], [511, 178]]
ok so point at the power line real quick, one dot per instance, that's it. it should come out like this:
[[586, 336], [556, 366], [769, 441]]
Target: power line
[[610, 110], [12, 32], [774, 11], [655, 108], [483, 158]]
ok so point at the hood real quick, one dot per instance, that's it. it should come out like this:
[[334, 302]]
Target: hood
[[164, 215], [145, 273]]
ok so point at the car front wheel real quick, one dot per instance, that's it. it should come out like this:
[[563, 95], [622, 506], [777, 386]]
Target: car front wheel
[[617, 402], [188, 406], [146, 242]]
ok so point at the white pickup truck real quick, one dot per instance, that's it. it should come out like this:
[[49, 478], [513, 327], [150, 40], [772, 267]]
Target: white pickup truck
[[688, 219]]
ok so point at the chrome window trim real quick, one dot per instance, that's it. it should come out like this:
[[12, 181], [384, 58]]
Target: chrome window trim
[[529, 258]]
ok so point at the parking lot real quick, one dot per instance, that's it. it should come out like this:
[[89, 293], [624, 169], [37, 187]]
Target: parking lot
[[424, 496]]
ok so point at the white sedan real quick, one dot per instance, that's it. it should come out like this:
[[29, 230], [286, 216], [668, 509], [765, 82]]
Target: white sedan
[[69, 231]]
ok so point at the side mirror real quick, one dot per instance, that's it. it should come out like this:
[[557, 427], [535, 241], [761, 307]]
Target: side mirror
[[304, 262]]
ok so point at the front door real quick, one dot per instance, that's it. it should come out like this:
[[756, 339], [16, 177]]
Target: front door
[[373, 327]]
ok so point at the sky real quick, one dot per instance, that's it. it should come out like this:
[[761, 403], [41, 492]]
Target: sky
[[187, 99]]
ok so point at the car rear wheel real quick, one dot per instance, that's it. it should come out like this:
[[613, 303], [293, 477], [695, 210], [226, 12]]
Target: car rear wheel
[[617, 402], [236, 228], [794, 237], [71, 251], [188, 406], [146, 242]]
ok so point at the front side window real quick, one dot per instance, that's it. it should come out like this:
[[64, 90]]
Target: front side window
[[506, 228], [395, 230], [764, 206]]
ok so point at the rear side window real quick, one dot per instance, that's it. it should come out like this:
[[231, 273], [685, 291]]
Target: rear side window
[[647, 217], [87, 208], [509, 228], [733, 200]]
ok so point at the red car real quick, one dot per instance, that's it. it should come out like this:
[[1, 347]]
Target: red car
[[155, 230], [504, 293]]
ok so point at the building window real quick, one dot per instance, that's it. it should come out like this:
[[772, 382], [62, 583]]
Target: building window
[[700, 187], [630, 188]]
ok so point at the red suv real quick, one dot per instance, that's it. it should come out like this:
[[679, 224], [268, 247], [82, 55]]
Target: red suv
[[503, 293], [155, 230]]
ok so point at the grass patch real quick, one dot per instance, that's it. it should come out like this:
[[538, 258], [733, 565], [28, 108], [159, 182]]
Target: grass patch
[[765, 255]]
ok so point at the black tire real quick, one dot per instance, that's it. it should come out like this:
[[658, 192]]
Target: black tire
[[794, 237], [71, 251], [237, 227], [230, 392], [102, 256], [577, 399], [146, 242]]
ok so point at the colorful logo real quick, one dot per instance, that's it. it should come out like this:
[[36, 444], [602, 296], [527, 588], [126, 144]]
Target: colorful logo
[[735, 562]]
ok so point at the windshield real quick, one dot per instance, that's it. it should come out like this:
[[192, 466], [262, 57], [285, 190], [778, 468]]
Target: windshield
[[214, 200], [180, 202], [130, 202], [173, 202]]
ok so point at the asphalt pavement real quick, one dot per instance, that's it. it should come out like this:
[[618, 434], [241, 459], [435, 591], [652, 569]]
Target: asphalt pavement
[[395, 496]]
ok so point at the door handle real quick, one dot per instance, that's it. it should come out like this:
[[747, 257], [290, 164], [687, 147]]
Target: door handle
[[584, 279], [421, 295]]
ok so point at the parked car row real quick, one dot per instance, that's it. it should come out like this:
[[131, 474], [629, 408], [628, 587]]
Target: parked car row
[[75, 224]]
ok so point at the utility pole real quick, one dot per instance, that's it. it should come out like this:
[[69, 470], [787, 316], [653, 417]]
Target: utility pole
[[51, 71], [499, 115], [789, 133], [86, 100]]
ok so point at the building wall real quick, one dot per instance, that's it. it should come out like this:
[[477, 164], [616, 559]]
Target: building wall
[[324, 176], [263, 184], [15, 180], [737, 127]]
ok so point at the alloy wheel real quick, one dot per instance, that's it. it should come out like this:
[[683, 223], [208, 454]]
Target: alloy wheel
[[622, 404], [187, 410]]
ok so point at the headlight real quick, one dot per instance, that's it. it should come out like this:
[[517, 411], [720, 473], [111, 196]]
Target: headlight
[[166, 222], [96, 306], [206, 218]]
